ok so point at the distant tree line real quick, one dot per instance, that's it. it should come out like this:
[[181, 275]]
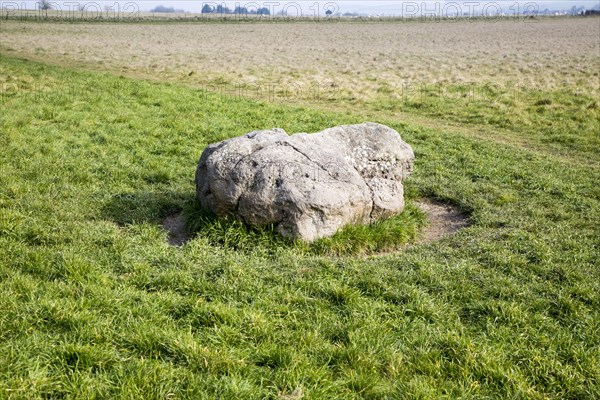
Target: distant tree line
[[220, 9], [163, 9]]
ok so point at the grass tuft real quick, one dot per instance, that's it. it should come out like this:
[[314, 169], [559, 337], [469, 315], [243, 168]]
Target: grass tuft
[[381, 236]]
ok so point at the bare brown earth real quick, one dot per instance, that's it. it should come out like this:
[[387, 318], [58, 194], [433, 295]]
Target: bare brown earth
[[356, 59], [443, 220]]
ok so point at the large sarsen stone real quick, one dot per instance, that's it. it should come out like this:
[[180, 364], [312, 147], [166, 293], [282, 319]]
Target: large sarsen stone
[[307, 185]]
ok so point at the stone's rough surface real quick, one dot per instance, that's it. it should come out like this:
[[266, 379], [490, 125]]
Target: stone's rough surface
[[307, 185]]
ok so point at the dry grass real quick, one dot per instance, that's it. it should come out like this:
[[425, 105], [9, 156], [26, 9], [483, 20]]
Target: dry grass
[[352, 60]]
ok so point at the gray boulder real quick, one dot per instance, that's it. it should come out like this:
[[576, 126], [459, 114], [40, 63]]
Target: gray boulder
[[307, 185]]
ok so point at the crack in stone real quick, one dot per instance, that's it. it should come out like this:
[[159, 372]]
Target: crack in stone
[[372, 199], [307, 157], [351, 166], [245, 182]]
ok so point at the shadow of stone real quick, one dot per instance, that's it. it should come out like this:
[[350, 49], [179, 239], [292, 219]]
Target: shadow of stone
[[163, 208], [145, 206]]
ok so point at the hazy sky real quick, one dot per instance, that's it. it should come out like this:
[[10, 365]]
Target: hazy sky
[[308, 7]]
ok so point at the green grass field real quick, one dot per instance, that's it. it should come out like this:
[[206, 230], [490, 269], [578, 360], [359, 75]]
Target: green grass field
[[95, 304]]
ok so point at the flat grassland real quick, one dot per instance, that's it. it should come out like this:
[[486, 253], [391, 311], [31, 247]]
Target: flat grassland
[[101, 127]]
